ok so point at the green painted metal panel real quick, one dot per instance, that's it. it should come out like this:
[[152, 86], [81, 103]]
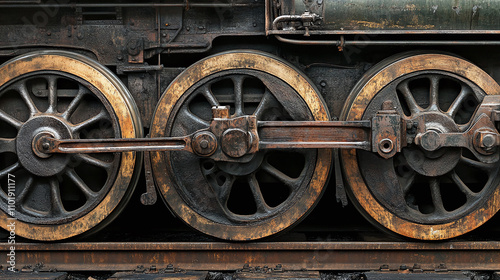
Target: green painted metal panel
[[402, 14]]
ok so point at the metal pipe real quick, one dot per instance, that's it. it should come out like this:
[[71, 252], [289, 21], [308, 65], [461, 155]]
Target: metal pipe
[[385, 32], [285, 18], [340, 43]]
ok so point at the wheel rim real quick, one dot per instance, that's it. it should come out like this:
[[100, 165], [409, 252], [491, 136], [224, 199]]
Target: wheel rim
[[60, 196], [424, 195], [51, 177], [232, 198]]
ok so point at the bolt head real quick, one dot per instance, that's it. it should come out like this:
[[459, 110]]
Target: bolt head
[[488, 140], [204, 144]]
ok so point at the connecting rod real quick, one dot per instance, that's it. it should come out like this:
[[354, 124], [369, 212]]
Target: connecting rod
[[235, 139]]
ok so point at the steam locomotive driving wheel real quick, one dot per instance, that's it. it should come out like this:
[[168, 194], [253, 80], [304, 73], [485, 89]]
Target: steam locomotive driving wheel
[[66, 96], [423, 193], [259, 194]]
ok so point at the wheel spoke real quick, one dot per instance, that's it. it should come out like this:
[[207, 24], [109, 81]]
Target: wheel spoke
[[266, 102], [477, 164], [408, 96], [461, 185], [55, 193], [95, 162], [82, 91], [23, 91], [52, 85], [207, 93], [225, 189], [194, 121], [408, 183], [89, 194], [10, 120], [7, 145], [457, 103], [262, 206], [27, 187], [288, 181], [93, 120], [210, 171], [434, 92], [437, 199], [10, 169], [238, 94]]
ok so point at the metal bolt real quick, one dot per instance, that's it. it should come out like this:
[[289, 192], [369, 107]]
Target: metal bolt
[[204, 144], [45, 146], [488, 141], [429, 140], [322, 83]]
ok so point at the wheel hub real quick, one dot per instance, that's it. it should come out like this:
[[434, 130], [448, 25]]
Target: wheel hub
[[242, 169], [427, 159], [31, 156]]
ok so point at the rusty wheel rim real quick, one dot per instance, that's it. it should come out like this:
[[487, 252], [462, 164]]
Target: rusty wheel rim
[[55, 177], [67, 96], [421, 195], [227, 200]]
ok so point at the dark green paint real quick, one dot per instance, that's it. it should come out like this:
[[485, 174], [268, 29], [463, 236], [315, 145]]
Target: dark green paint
[[402, 14]]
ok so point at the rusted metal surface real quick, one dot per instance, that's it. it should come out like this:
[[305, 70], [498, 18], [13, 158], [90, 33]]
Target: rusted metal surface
[[149, 197], [236, 137], [49, 145], [424, 194], [126, 34], [398, 15], [34, 276], [162, 274], [274, 273], [42, 180], [405, 274], [232, 256], [287, 135], [239, 79]]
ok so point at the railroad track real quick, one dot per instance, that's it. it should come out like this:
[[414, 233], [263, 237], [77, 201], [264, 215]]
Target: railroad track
[[291, 256]]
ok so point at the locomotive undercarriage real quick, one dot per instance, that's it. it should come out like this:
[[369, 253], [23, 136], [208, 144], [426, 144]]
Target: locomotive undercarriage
[[242, 143]]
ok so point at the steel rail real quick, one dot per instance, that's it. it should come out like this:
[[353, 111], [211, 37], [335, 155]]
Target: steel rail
[[222, 256]]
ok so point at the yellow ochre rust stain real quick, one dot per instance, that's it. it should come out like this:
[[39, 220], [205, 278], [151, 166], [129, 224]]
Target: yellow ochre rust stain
[[387, 25]]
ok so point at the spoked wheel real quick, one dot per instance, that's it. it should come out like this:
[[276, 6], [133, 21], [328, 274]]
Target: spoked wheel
[[240, 201], [67, 96], [420, 194]]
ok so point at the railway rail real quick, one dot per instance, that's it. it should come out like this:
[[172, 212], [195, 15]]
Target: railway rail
[[290, 256]]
